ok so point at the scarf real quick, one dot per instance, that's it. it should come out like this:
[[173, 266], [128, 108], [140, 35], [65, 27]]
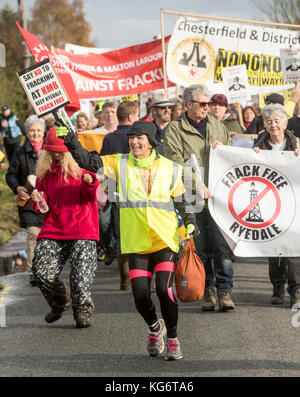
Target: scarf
[[144, 163], [37, 146]]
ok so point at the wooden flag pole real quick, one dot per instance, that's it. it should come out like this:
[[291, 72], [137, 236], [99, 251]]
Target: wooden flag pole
[[230, 19], [163, 51], [240, 114]]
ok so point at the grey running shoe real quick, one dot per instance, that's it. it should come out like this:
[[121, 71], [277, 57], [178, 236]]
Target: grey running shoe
[[156, 342], [173, 350]]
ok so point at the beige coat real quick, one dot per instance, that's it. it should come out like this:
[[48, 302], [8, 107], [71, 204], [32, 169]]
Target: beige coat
[[182, 139]]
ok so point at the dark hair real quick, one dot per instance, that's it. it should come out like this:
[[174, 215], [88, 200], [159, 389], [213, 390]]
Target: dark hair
[[249, 107]]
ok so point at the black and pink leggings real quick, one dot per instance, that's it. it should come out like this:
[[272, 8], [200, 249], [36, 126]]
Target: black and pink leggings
[[141, 270]]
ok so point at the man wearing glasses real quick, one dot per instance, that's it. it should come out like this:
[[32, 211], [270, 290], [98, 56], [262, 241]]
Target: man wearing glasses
[[161, 112], [196, 132]]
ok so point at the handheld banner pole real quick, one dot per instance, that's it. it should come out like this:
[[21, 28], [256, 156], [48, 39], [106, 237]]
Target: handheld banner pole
[[163, 51], [240, 114]]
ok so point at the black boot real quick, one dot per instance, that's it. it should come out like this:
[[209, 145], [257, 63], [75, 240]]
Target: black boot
[[82, 322], [52, 316], [278, 294]]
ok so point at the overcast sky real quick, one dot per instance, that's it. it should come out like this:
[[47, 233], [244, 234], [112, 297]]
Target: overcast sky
[[121, 23]]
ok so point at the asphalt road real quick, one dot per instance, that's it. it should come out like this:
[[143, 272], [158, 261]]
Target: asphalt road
[[256, 340]]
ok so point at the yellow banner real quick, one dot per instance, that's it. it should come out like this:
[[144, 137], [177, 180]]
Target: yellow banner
[[262, 70]]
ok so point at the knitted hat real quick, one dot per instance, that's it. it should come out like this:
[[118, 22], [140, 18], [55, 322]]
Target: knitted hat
[[53, 143], [144, 128]]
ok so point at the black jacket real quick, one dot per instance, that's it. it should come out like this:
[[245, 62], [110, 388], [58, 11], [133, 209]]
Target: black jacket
[[263, 141], [116, 142], [294, 126], [23, 164], [256, 126]]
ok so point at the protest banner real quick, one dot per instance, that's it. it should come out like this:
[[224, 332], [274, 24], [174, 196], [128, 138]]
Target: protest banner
[[254, 200], [43, 88], [236, 83], [40, 52], [290, 61], [127, 71], [200, 48]]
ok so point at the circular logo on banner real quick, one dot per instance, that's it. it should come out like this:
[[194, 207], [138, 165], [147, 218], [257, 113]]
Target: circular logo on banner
[[259, 203], [193, 60]]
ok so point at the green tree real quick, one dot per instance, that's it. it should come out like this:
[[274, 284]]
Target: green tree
[[59, 22], [281, 11], [11, 92]]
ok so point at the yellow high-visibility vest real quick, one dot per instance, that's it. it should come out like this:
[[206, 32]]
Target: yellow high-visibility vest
[[139, 211]]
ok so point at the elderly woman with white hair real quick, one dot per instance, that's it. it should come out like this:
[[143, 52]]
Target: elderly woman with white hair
[[277, 137], [21, 166]]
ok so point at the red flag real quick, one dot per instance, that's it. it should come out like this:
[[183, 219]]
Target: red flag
[[40, 52]]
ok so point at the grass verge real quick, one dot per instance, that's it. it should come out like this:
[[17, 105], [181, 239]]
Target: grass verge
[[9, 219]]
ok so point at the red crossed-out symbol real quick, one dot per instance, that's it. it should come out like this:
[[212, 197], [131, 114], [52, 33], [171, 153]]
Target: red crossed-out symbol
[[239, 217]]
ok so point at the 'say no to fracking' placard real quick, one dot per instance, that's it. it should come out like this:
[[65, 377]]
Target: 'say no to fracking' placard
[[43, 88]]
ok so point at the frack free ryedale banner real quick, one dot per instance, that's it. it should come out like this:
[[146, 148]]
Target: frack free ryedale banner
[[199, 49], [256, 200]]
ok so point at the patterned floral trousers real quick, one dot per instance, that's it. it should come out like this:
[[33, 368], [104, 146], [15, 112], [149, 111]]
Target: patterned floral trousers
[[49, 259]]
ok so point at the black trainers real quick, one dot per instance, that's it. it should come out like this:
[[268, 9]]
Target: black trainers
[[278, 294], [109, 258], [33, 281]]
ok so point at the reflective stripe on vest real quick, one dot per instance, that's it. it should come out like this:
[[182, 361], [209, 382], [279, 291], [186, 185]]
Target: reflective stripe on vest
[[140, 211], [123, 188], [144, 203]]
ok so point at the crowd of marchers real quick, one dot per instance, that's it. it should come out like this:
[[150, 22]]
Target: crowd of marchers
[[64, 201]]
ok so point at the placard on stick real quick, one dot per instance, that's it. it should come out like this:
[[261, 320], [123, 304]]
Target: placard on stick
[[236, 83], [290, 62], [43, 88]]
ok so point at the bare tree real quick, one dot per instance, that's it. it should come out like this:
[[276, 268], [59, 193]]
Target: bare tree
[[281, 11]]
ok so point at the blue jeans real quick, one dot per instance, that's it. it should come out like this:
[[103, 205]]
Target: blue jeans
[[214, 252]]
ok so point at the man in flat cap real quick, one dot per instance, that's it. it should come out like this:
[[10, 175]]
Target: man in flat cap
[[148, 184]]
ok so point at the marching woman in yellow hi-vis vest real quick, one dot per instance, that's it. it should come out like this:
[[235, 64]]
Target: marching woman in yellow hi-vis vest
[[147, 184]]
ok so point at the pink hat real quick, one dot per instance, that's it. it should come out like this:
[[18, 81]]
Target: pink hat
[[53, 143]]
